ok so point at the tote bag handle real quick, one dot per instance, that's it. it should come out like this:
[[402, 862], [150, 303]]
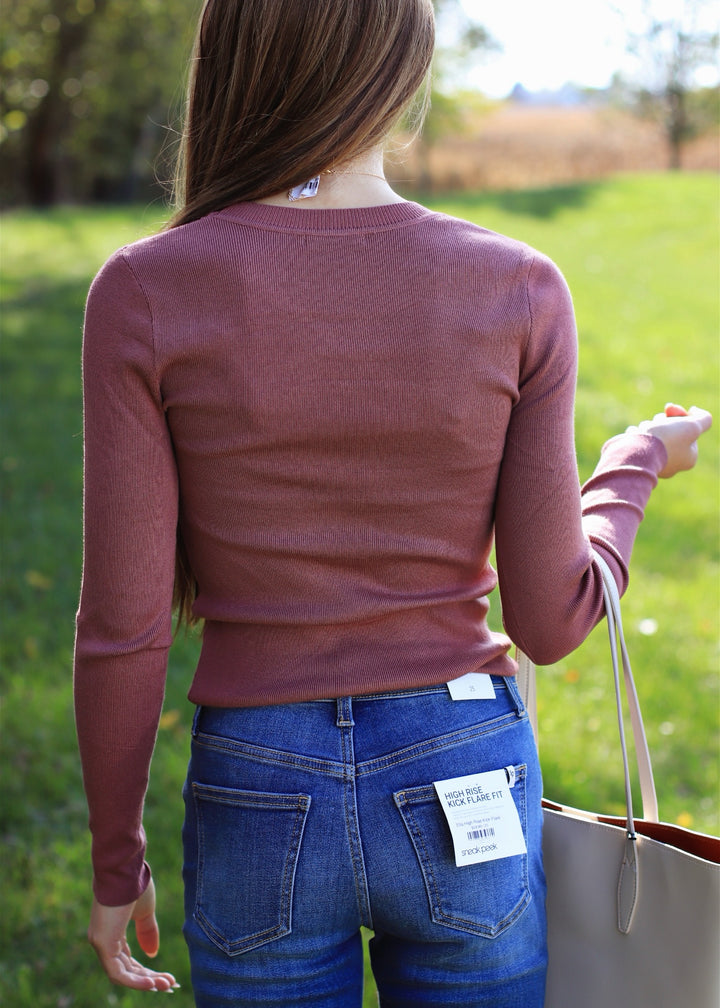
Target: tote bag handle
[[526, 679]]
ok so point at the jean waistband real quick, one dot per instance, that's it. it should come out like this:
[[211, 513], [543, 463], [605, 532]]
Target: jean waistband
[[344, 705]]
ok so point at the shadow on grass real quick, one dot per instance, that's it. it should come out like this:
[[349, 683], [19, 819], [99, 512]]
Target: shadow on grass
[[543, 203]]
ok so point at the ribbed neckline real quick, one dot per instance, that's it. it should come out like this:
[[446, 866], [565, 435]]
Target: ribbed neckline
[[308, 221]]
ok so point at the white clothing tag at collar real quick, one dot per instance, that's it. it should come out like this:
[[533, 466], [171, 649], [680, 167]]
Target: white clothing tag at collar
[[472, 686], [306, 190], [482, 816]]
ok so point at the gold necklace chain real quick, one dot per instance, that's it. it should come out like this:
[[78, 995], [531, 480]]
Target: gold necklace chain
[[332, 171]]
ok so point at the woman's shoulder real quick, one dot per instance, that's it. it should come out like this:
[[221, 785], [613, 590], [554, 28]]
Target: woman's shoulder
[[499, 253], [168, 241], [474, 235], [156, 256]]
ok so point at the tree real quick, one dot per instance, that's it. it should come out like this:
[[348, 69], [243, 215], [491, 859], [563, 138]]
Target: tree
[[87, 89], [39, 106], [669, 52], [90, 91]]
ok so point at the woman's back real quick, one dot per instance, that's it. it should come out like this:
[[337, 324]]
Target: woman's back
[[339, 387]]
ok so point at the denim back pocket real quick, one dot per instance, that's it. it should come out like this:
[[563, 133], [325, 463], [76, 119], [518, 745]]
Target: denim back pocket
[[248, 849], [483, 899]]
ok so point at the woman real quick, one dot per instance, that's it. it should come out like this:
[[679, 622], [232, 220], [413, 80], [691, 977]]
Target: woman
[[324, 402]]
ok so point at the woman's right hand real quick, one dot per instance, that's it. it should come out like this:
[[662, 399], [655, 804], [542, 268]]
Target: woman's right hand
[[679, 430], [107, 935]]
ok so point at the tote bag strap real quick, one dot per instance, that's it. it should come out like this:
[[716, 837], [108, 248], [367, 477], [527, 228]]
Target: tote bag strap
[[526, 680], [642, 753], [527, 685]]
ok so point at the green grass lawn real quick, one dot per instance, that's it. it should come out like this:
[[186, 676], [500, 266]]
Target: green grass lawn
[[641, 256]]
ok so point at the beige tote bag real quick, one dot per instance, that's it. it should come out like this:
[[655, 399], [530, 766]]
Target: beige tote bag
[[633, 904]]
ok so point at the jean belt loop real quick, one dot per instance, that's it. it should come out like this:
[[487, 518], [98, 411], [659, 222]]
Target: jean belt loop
[[196, 721], [344, 712]]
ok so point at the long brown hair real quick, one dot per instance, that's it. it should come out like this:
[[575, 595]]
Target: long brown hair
[[281, 90]]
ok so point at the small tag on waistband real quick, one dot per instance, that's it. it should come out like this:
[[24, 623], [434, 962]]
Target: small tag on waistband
[[472, 686]]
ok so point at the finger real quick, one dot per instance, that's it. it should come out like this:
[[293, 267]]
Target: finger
[[702, 417], [133, 974], [148, 934], [672, 409], [125, 971], [146, 926]]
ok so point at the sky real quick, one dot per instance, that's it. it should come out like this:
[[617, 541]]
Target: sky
[[548, 43]]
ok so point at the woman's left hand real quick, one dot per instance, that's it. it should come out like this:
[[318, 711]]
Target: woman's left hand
[[107, 935], [679, 430]]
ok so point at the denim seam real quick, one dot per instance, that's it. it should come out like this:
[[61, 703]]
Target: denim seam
[[291, 860], [437, 744], [403, 694], [274, 756], [352, 826]]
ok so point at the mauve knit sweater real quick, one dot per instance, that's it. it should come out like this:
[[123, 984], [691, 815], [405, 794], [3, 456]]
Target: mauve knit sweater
[[340, 408]]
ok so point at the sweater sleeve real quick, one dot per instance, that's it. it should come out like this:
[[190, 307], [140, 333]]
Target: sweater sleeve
[[129, 532], [546, 526]]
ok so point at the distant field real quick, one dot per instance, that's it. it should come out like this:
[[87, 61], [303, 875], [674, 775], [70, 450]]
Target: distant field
[[515, 146], [641, 256]]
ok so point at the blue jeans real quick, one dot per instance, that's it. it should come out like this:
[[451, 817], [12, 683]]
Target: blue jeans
[[306, 821]]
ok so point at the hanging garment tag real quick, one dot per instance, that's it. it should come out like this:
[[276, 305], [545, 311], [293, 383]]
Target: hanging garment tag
[[306, 190], [472, 686], [482, 816]]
